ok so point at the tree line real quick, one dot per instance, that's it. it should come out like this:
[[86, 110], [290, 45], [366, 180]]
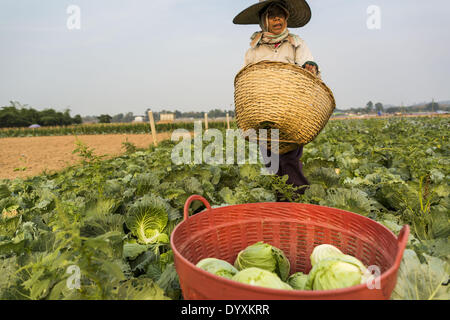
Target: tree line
[[215, 113], [429, 107], [129, 117], [18, 115], [379, 108]]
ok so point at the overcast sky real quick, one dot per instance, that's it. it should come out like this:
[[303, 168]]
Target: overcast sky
[[130, 55]]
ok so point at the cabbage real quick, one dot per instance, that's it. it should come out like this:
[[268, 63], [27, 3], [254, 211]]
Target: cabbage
[[264, 256], [218, 267], [324, 251], [262, 278], [147, 219], [298, 281], [336, 272]]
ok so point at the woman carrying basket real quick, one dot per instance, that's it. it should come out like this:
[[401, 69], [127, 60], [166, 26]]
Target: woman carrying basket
[[275, 43]]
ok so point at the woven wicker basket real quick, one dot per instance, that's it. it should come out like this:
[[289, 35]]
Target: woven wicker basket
[[283, 96]]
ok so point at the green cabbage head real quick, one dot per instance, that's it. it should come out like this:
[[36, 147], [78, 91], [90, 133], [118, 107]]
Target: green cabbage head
[[324, 251], [147, 219], [218, 267], [335, 273], [261, 278], [298, 281], [264, 256]]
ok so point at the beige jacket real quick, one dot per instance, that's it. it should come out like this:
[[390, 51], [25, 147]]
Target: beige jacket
[[292, 50]]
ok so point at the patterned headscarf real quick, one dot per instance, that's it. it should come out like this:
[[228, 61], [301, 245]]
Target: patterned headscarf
[[265, 36]]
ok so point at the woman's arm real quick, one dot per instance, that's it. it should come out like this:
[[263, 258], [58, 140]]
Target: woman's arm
[[303, 55], [249, 57]]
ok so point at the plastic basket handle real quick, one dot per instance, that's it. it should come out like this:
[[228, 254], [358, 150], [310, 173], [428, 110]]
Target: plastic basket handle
[[192, 199], [402, 242]]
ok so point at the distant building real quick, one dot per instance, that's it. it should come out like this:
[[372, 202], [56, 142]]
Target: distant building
[[166, 117], [138, 119]]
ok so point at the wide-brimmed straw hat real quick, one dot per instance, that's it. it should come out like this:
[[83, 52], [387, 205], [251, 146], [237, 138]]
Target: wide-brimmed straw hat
[[299, 12]]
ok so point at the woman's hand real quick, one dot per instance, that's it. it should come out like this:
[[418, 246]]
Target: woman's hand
[[311, 67]]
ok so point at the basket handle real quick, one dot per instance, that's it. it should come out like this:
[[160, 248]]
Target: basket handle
[[192, 199], [402, 242]]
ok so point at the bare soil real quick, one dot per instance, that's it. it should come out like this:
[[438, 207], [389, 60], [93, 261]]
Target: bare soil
[[31, 156]]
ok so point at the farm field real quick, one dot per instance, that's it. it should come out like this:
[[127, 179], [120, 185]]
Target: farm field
[[144, 128], [29, 156], [111, 219], [99, 129]]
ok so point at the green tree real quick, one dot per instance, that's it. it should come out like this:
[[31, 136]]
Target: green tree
[[379, 107], [369, 106], [104, 118], [129, 117], [30, 115], [433, 106], [117, 118], [216, 113], [77, 119], [9, 118]]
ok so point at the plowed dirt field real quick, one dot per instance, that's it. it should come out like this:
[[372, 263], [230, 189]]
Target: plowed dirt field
[[27, 157]]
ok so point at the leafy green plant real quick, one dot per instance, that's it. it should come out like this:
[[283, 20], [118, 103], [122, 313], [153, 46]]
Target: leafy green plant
[[85, 153], [417, 281], [147, 220], [129, 147]]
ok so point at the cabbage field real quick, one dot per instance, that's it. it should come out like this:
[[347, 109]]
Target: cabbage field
[[101, 229]]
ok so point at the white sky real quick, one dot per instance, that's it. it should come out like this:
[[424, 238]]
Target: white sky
[[184, 54]]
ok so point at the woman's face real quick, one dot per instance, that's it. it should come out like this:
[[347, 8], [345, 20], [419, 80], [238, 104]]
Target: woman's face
[[277, 20]]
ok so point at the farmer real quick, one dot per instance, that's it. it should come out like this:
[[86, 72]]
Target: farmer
[[275, 43]]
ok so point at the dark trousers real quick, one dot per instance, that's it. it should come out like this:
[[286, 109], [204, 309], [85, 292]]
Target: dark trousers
[[291, 166]]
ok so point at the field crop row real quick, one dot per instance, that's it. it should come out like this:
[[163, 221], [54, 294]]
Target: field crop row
[[113, 128]]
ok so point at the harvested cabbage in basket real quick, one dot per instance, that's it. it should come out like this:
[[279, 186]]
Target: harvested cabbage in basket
[[264, 256], [218, 267], [332, 269], [267, 266], [262, 278]]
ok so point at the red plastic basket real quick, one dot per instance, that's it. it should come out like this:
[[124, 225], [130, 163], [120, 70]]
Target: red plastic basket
[[296, 229]]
